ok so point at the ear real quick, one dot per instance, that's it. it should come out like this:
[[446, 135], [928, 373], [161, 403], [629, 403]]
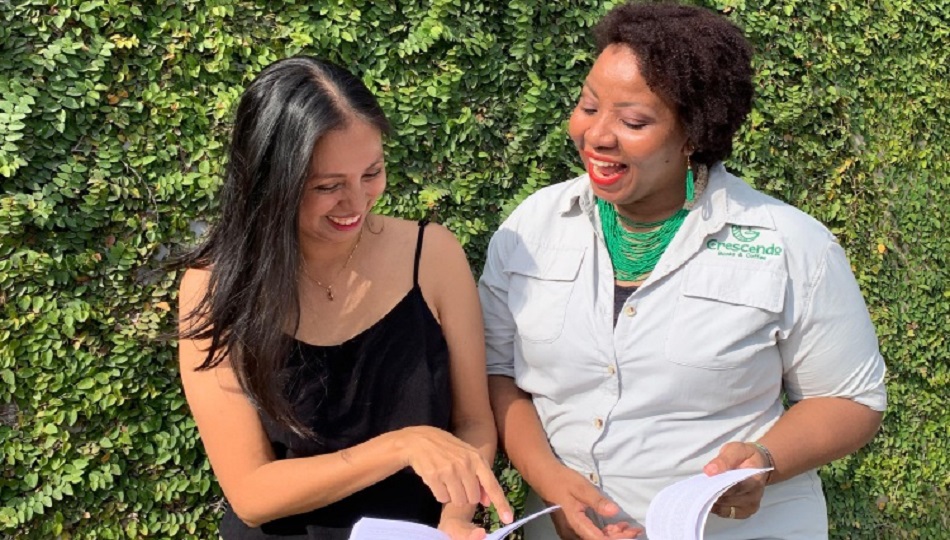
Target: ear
[[688, 148]]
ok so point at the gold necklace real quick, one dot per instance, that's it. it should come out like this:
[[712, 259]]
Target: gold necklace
[[329, 288]]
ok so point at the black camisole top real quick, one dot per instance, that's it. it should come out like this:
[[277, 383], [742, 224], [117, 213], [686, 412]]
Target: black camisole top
[[393, 375]]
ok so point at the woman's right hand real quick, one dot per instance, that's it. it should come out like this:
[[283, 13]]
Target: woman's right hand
[[576, 494], [454, 470]]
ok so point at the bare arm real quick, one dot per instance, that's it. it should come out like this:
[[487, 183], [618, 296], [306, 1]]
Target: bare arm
[[817, 431], [522, 435], [445, 272], [812, 433]]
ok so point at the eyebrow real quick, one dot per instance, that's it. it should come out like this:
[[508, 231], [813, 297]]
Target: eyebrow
[[616, 105], [589, 89], [379, 161]]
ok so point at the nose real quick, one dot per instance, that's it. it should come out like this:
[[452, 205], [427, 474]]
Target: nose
[[353, 195], [600, 134]]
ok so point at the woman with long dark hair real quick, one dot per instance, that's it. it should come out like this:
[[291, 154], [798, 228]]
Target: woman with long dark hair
[[332, 358]]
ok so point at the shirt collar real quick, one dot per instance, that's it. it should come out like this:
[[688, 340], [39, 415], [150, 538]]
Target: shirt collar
[[729, 200], [577, 196]]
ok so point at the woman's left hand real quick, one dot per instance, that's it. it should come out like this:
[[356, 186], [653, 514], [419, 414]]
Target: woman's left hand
[[461, 529], [743, 499]]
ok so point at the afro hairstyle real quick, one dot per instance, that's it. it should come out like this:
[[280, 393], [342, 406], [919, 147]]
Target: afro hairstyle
[[696, 60]]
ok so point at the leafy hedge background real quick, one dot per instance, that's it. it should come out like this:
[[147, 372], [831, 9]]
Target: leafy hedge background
[[113, 120]]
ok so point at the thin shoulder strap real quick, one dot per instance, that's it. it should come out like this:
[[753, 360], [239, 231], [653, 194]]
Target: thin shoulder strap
[[415, 270]]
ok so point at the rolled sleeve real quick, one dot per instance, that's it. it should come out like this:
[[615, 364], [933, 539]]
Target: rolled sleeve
[[833, 351], [493, 293]]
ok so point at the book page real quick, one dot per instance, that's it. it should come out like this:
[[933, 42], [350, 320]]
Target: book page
[[501, 533], [679, 511], [392, 529]]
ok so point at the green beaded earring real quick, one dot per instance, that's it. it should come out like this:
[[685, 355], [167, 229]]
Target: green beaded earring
[[690, 188]]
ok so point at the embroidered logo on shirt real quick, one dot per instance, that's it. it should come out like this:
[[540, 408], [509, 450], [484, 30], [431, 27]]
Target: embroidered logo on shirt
[[746, 247], [744, 234]]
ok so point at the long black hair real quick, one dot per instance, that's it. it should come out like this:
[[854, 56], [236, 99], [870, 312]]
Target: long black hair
[[252, 249]]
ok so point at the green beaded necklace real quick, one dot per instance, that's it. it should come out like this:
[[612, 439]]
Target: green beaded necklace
[[634, 254]]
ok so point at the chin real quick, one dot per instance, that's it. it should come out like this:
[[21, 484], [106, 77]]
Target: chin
[[616, 193]]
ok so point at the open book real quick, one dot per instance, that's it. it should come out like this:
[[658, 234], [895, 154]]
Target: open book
[[389, 529], [679, 511]]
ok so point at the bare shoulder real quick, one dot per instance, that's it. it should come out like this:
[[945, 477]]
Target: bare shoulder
[[194, 280], [393, 230], [437, 238], [441, 251], [440, 239], [443, 267], [442, 256], [192, 289], [194, 285]]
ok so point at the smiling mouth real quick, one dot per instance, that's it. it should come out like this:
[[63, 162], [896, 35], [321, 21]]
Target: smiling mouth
[[344, 221], [605, 172]]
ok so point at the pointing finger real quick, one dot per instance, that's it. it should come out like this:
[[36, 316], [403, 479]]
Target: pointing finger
[[496, 496]]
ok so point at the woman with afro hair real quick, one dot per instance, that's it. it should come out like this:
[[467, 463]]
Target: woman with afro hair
[[657, 317]]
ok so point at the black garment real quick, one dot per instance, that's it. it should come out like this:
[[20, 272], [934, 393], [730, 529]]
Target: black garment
[[621, 293], [393, 375]]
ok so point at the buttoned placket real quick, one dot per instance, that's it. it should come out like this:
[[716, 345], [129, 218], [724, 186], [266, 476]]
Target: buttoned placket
[[689, 245], [604, 310]]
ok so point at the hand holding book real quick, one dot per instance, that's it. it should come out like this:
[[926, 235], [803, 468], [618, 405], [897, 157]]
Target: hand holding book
[[679, 511]]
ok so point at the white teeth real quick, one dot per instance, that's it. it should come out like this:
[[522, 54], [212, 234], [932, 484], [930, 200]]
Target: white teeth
[[599, 163], [344, 221]]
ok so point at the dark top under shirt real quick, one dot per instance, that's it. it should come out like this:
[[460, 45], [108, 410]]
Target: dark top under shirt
[[621, 293], [393, 375]]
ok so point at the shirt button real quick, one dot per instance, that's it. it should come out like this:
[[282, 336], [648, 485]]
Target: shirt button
[[593, 477], [598, 423], [611, 369], [629, 311]]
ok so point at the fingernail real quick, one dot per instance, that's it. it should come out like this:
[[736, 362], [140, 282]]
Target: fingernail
[[508, 517]]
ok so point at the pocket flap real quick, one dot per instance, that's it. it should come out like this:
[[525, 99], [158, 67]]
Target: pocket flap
[[545, 262], [760, 288]]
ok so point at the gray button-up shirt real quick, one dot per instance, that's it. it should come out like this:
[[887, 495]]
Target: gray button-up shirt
[[751, 299]]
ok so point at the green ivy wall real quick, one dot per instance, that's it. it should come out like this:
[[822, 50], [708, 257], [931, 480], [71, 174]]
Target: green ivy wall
[[113, 120]]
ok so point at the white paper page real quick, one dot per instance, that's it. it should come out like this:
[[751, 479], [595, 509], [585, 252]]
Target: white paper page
[[501, 533], [679, 511], [391, 529]]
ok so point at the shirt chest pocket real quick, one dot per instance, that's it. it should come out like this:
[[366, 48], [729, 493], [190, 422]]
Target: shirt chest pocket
[[725, 315], [541, 283]]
